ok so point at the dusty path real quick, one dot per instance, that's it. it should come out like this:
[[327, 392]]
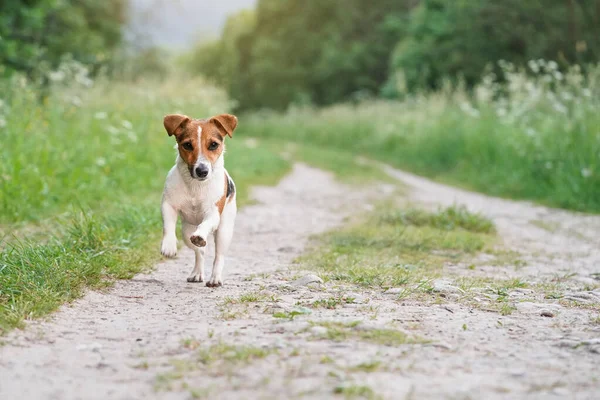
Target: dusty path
[[153, 336]]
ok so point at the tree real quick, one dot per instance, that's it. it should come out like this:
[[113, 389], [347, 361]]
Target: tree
[[297, 51], [37, 33], [451, 39]]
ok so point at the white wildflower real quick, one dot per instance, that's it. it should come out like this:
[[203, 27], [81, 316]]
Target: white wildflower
[[559, 107], [76, 101], [558, 75], [552, 65], [126, 124], [56, 76], [468, 109], [533, 65], [586, 92], [566, 96], [112, 130], [2, 122], [530, 132], [586, 172], [251, 143], [101, 161], [100, 115], [132, 136], [548, 165]]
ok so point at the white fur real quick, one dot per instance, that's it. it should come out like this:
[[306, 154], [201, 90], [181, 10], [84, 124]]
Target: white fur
[[195, 202], [202, 160]]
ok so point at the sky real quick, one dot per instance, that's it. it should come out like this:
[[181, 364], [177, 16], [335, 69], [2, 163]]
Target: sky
[[177, 24]]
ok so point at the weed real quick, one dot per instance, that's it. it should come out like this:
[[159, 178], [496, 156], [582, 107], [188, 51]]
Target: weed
[[507, 308], [143, 365], [291, 314], [230, 354], [367, 366], [448, 219], [339, 331], [326, 360], [332, 302], [190, 343], [356, 391]]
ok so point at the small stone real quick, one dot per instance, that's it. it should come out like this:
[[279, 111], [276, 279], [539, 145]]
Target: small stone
[[595, 341], [442, 286], [594, 349], [518, 373], [318, 330], [395, 290], [286, 249], [310, 278], [569, 343], [547, 313]]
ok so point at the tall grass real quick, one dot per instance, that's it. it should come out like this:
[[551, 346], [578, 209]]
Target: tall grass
[[536, 136], [96, 154]]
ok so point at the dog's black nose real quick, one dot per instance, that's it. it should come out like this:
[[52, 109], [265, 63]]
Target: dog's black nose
[[202, 171]]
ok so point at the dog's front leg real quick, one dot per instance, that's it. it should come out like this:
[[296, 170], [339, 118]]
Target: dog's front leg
[[168, 246], [208, 226]]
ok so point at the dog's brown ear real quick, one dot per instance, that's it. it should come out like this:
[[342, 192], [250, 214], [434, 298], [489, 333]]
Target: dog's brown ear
[[226, 123], [173, 122]]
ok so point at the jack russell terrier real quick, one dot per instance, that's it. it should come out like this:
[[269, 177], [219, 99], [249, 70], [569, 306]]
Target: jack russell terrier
[[199, 189]]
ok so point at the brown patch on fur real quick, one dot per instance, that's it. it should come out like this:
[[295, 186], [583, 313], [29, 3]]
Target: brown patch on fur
[[214, 130], [221, 202], [226, 123]]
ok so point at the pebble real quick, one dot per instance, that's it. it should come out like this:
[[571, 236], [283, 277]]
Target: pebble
[[395, 290], [547, 313], [305, 280], [318, 330], [443, 286]]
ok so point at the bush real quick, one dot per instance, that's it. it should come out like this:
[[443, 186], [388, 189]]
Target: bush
[[457, 39]]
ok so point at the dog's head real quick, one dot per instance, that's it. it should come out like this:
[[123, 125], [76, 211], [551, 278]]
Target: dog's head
[[200, 141]]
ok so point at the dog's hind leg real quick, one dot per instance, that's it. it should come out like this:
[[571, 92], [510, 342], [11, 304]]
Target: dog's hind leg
[[223, 237]]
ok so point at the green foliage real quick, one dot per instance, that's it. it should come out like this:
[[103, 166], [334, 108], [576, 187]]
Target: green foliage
[[457, 39], [535, 137], [36, 278], [304, 52], [36, 34], [447, 219], [399, 251]]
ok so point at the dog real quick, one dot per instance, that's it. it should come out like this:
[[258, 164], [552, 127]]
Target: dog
[[200, 190]]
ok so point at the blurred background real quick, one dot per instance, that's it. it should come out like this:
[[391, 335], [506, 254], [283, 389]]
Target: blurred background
[[500, 97], [495, 96]]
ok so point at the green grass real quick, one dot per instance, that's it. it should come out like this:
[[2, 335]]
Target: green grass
[[533, 140], [81, 181], [399, 247], [356, 392], [342, 332]]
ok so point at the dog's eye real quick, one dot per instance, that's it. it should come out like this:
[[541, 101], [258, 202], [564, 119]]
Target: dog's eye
[[213, 146], [188, 146]]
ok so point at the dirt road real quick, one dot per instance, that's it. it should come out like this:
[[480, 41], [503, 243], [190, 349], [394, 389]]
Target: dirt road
[[157, 336]]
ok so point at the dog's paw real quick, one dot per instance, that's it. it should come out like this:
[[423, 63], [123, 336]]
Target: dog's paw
[[198, 241], [195, 278], [214, 282], [168, 247]]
